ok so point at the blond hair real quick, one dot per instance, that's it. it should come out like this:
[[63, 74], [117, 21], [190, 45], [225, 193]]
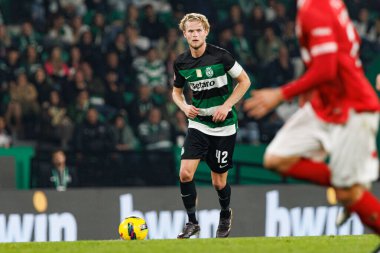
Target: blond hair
[[194, 17]]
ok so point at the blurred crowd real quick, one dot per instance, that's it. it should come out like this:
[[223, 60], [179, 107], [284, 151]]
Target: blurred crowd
[[96, 75]]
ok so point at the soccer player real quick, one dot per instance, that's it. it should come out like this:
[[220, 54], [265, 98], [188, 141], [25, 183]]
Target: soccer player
[[339, 116], [208, 71]]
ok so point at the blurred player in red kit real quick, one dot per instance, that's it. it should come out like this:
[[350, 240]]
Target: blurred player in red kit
[[339, 112]]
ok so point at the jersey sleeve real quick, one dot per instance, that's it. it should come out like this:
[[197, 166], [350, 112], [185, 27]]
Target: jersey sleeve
[[231, 66], [319, 30], [179, 80], [319, 52]]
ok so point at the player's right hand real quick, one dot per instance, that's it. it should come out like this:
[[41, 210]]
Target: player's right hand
[[262, 102], [191, 111]]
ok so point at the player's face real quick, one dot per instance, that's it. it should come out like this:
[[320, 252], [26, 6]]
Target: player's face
[[195, 34]]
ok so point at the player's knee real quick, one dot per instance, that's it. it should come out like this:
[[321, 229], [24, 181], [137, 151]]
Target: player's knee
[[219, 185], [277, 163], [349, 195], [268, 162], [185, 175]]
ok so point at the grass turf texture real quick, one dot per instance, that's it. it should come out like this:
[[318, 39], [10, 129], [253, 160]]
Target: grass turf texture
[[317, 244]]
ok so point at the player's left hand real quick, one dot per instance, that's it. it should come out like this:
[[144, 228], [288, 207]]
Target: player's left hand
[[262, 102], [221, 113]]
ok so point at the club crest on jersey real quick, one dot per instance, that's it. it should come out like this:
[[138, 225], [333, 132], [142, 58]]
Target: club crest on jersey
[[209, 72], [198, 72]]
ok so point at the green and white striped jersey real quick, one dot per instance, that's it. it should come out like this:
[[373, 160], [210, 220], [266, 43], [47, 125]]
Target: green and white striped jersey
[[210, 79]]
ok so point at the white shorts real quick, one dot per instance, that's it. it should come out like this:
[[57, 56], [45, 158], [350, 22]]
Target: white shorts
[[351, 147]]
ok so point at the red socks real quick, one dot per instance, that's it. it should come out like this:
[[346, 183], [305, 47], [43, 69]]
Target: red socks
[[315, 172], [368, 209]]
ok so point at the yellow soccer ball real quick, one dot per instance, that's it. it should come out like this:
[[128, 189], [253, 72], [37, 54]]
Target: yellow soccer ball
[[133, 228]]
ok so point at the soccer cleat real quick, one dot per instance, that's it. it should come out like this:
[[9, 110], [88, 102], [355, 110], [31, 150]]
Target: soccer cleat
[[224, 227], [189, 230], [342, 217]]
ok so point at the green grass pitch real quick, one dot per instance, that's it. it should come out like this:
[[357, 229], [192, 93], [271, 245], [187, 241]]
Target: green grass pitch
[[317, 244]]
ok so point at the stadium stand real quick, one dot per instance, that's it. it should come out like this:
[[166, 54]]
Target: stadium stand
[[59, 59]]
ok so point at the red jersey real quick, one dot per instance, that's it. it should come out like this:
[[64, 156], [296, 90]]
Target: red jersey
[[329, 48]]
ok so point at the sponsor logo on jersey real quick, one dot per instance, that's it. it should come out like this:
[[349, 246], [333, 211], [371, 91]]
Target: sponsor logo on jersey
[[209, 72], [202, 85]]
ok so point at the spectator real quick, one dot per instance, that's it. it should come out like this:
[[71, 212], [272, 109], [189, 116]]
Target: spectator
[[5, 41], [78, 110], [23, 108], [74, 60], [225, 39], [31, 61], [257, 23], [28, 37], [151, 26], [5, 135], [242, 48], [137, 44], [73, 8], [171, 42], [60, 33], [113, 64], [141, 104], [98, 29], [132, 18], [155, 133], [91, 53], [73, 88], [374, 35], [281, 19], [56, 126], [61, 176], [114, 92], [124, 137], [116, 15], [95, 85], [78, 28], [290, 39], [38, 15], [151, 71], [43, 86], [92, 136], [268, 46], [158, 5], [363, 24], [270, 12], [11, 66], [236, 15], [119, 46], [281, 69], [56, 68]]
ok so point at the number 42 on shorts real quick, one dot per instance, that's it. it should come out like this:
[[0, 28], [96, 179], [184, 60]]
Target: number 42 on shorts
[[221, 156]]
